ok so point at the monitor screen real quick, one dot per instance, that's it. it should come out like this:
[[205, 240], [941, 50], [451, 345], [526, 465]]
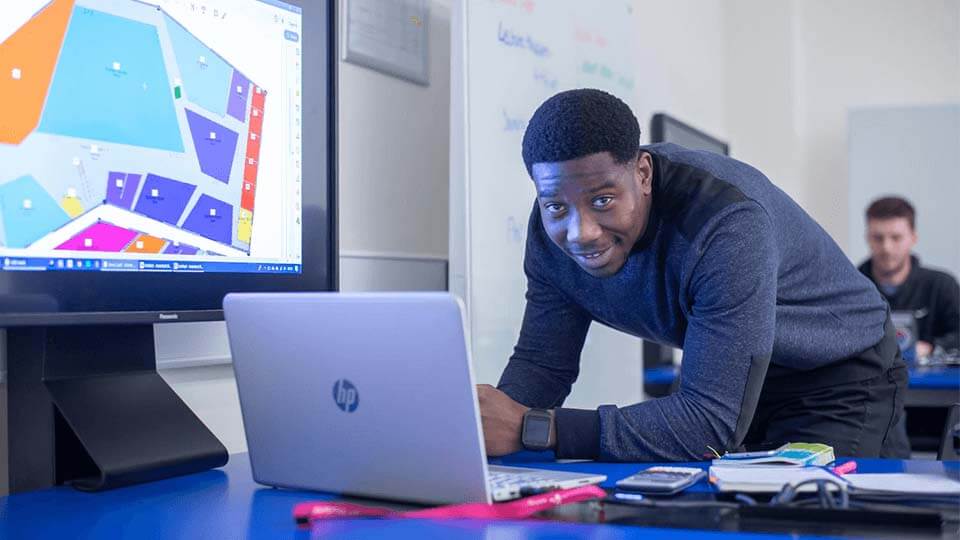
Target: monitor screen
[[160, 144], [665, 128]]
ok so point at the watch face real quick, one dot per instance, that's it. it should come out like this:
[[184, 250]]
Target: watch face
[[536, 431]]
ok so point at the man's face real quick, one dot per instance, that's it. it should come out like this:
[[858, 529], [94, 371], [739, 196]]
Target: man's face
[[595, 209], [890, 243]]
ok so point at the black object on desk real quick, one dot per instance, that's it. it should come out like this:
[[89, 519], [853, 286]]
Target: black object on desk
[[87, 407], [701, 511]]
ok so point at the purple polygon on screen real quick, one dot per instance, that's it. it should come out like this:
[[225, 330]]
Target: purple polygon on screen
[[211, 218], [180, 249], [215, 144], [163, 199], [121, 188], [237, 102]]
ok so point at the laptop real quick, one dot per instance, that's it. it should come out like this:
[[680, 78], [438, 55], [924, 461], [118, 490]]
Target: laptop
[[367, 394], [906, 326]]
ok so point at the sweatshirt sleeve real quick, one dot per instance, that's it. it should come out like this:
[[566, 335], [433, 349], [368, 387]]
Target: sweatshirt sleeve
[[546, 359], [730, 307]]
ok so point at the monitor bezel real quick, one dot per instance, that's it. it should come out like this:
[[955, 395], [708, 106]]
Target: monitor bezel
[[320, 205], [658, 128]]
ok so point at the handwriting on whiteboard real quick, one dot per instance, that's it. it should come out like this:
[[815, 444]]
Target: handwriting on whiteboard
[[604, 71], [512, 39], [527, 5], [512, 123], [582, 35], [515, 230], [545, 79]]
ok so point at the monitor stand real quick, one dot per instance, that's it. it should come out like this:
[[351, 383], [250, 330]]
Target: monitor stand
[[86, 407]]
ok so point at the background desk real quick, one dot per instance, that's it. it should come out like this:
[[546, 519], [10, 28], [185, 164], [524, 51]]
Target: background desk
[[933, 386], [226, 503], [928, 387], [930, 392]]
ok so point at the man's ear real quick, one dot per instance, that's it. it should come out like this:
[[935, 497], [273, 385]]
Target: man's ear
[[644, 173]]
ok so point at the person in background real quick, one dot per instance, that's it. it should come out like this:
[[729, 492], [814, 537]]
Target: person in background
[[931, 295]]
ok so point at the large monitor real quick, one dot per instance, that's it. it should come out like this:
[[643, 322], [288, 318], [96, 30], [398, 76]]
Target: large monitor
[[157, 154], [665, 128], [154, 156]]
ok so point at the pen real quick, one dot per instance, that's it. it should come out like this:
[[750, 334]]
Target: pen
[[846, 468]]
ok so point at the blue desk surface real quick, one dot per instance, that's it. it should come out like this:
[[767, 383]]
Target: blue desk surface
[[934, 378], [226, 503]]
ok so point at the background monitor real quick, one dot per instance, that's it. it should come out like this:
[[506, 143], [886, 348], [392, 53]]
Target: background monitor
[[154, 156], [665, 128], [157, 154]]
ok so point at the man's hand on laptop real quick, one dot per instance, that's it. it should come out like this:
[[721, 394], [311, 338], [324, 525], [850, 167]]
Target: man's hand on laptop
[[502, 420]]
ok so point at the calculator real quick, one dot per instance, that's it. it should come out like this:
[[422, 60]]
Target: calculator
[[662, 480]]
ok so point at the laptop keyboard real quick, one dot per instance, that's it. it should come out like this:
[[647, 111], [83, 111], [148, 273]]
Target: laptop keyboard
[[511, 484], [503, 479]]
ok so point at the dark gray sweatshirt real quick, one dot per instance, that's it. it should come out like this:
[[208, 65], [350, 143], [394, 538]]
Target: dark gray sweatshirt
[[731, 270]]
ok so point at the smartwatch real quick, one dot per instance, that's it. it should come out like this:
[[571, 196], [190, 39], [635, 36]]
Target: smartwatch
[[535, 434]]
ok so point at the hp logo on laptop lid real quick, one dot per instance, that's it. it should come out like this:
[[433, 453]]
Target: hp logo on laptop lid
[[345, 395]]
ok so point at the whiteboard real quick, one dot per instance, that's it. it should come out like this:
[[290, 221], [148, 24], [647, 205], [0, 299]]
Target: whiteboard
[[912, 152], [507, 57]]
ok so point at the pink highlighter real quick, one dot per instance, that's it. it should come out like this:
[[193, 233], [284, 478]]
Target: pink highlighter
[[846, 468]]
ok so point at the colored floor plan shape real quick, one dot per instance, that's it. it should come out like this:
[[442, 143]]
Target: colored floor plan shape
[[216, 145], [29, 212], [122, 106], [28, 57], [111, 84], [107, 237], [100, 237], [210, 218], [164, 199]]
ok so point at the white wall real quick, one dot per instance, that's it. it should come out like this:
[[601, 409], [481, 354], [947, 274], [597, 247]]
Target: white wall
[[761, 88], [394, 154], [681, 47], [796, 67]]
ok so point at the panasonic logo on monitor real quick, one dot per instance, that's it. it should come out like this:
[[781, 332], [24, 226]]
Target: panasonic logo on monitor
[[168, 316], [345, 395]]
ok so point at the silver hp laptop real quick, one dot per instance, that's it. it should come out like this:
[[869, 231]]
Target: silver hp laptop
[[369, 395]]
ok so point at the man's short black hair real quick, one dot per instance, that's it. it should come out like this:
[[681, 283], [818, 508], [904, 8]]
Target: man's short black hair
[[577, 123], [891, 208]]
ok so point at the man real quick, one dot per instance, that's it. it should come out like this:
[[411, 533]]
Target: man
[[699, 251], [932, 296]]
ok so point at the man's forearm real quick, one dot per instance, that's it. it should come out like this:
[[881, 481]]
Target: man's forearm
[[533, 385]]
